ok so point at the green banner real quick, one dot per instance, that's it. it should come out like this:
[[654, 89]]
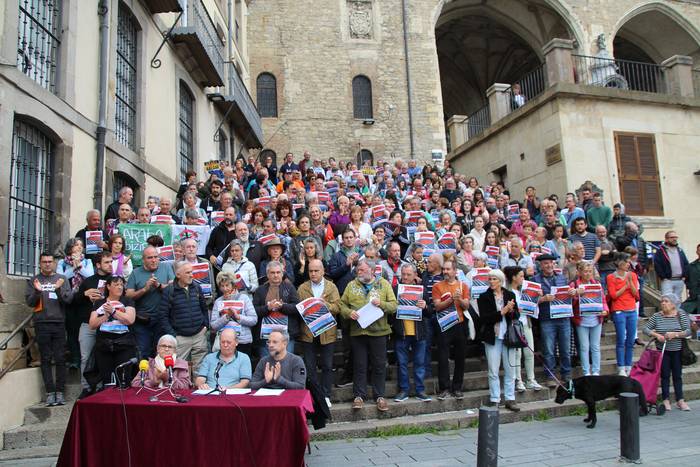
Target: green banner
[[136, 235]]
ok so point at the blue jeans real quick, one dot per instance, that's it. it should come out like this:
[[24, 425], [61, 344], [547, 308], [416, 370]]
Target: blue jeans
[[557, 332], [626, 329], [589, 348], [402, 346], [495, 355], [146, 336]]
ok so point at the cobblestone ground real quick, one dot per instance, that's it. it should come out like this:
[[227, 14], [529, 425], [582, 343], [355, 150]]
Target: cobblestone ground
[[669, 440]]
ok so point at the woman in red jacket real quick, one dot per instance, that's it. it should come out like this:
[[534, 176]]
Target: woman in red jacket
[[588, 326], [623, 289]]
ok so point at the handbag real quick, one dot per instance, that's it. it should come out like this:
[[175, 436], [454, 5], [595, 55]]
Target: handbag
[[515, 335], [688, 357]]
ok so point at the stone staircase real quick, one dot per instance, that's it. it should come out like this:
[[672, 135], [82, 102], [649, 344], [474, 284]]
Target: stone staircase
[[42, 432]]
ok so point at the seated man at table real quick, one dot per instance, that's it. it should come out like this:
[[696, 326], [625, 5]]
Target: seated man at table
[[228, 368], [280, 369], [157, 374]]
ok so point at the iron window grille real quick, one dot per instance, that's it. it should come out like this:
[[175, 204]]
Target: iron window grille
[[125, 111], [119, 181], [362, 97], [267, 95], [31, 214], [38, 39], [186, 118]]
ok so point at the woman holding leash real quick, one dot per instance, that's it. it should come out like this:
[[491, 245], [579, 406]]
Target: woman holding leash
[[670, 326], [497, 308]]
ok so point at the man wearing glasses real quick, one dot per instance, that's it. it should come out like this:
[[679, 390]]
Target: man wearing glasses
[[145, 286], [671, 265]]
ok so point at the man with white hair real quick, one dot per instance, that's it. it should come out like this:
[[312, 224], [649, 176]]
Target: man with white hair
[[227, 368], [93, 221]]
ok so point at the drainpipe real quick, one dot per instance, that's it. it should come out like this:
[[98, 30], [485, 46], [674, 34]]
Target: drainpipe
[[409, 84], [231, 25], [103, 13]]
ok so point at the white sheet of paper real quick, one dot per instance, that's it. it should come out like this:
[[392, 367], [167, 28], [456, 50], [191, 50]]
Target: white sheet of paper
[[204, 392], [238, 391], [368, 315], [268, 392]]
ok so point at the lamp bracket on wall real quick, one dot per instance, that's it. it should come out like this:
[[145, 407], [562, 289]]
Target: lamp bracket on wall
[[155, 62]]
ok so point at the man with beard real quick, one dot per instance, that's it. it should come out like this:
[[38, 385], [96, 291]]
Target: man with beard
[[213, 201], [370, 342]]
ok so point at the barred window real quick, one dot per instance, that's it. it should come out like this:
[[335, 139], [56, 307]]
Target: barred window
[[31, 215], [121, 180], [362, 97], [125, 109], [267, 95], [186, 118], [38, 39]]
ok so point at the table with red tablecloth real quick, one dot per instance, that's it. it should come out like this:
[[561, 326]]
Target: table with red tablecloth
[[210, 430]]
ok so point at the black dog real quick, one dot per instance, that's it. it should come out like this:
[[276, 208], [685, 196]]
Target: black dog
[[591, 389]]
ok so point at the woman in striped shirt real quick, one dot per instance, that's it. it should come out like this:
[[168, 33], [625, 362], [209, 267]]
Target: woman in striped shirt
[[670, 325]]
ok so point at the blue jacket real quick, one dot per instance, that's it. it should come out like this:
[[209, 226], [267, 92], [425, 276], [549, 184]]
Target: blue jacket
[[662, 264], [339, 271], [183, 313], [557, 280]]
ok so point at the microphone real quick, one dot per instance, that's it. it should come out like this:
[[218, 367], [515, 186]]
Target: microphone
[[131, 361], [143, 368], [216, 375], [169, 363]]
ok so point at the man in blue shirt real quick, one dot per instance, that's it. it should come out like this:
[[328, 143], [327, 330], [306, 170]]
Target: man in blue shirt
[[226, 368], [553, 331], [572, 212]]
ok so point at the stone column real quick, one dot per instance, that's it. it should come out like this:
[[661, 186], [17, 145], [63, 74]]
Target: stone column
[[498, 95], [679, 75], [457, 129], [557, 56]]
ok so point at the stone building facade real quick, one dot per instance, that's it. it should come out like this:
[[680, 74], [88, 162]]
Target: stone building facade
[[456, 50]]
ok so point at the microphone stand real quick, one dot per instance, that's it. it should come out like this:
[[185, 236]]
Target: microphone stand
[[216, 377]]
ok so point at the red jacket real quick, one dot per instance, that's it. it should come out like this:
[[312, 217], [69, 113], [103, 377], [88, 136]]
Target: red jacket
[[627, 301]]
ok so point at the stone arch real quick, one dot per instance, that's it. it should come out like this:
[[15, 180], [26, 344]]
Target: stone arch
[[479, 44], [658, 45]]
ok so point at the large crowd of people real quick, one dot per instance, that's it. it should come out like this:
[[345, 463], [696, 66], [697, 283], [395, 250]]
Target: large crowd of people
[[489, 264]]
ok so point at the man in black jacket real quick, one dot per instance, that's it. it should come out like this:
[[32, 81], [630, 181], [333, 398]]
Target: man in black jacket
[[221, 236], [213, 202], [93, 221], [273, 302], [411, 335], [184, 314], [126, 195]]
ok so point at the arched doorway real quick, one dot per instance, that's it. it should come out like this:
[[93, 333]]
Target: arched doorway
[[365, 155], [265, 153], [479, 44]]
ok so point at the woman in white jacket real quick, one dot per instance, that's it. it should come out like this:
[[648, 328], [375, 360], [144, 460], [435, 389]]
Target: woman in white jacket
[[242, 269]]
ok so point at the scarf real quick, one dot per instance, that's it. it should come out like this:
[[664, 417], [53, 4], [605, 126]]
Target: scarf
[[77, 278], [120, 264]]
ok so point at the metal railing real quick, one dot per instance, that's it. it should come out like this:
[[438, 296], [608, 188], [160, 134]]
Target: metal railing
[[196, 16], [38, 39], [621, 74], [22, 351], [531, 85], [478, 121]]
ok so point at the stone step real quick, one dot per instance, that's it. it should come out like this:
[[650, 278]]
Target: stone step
[[34, 452], [39, 434], [460, 418], [40, 413]]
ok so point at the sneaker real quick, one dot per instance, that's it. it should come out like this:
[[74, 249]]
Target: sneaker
[[519, 386], [50, 399], [458, 395], [423, 397], [328, 402], [357, 403], [534, 385], [382, 405], [621, 371], [344, 382], [595, 373], [401, 396], [85, 393], [444, 395], [60, 400], [512, 406]]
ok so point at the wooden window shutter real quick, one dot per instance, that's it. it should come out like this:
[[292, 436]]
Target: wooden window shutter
[[639, 174]]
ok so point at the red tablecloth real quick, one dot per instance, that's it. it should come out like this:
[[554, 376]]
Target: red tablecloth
[[206, 431]]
